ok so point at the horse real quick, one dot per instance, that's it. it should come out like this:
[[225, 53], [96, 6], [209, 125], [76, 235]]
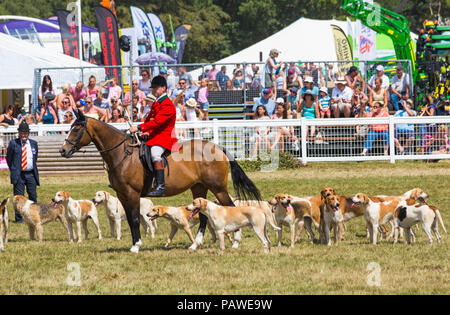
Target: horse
[[198, 165]]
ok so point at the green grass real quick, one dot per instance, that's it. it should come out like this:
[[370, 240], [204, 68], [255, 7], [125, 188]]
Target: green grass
[[107, 267]]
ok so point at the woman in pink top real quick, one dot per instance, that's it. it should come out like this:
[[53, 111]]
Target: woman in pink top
[[114, 89], [377, 130], [77, 92], [92, 88]]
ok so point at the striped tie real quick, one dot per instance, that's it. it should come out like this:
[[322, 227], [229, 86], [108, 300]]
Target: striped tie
[[24, 156]]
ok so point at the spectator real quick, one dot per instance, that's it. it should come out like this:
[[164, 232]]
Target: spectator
[[256, 82], [341, 99], [404, 131], [272, 67], [115, 104], [280, 83], [187, 76], [309, 109], [202, 99], [114, 90], [6, 119], [332, 75], [238, 68], [309, 85], [149, 100], [380, 74], [353, 78], [238, 80], [46, 87], [93, 111], [248, 76], [377, 131], [316, 74], [378, 94], [324, 103], [92, 88], [212, 73], [183, 87], [68, 118], [294, 78], [293, 102], [116, 117], [145, 82], [171, 82], [262, 134], [284, 132], [180, 115], [66, 108], [78, 92], [63, 95], [101, 102], [229, 86], [359, 99], [399, 87], [192, 112], [428, 132], [222, 78], [136, 91], [46, 114], [135, 115], [266, 101]]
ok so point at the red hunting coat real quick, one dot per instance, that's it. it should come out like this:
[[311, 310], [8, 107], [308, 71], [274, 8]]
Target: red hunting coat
[[160, 124]]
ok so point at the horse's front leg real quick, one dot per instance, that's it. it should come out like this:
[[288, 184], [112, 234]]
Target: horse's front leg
[[131, 204]]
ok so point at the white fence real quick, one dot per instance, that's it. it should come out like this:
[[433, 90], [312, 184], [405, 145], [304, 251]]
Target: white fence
[[310, 140]]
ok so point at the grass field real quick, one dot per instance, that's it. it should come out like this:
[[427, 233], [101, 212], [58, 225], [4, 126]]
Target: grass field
[[107, 266]]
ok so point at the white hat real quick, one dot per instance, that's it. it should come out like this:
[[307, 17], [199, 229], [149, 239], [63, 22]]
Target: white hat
[[323, 89], [380, 68], [309, 79], [191, 102], [280, 100]]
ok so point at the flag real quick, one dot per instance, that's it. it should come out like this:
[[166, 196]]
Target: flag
[[181, 35], [109, 39], [343, 49], [158, 31], [69, 33], [143, 27]]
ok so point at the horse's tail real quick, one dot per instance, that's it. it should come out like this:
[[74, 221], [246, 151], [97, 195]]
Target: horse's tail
[[245, 189]]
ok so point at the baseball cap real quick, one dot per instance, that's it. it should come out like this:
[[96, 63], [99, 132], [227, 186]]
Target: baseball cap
[[294, 89], [267, 91], [163, 71], [380, 68], [280, 100]]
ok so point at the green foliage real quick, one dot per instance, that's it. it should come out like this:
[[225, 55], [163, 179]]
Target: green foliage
[[222, 27]]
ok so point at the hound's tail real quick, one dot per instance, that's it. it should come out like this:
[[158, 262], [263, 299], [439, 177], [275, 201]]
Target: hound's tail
[[438, 215]]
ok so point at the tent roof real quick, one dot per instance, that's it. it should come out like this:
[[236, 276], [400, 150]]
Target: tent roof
[[19, 58]]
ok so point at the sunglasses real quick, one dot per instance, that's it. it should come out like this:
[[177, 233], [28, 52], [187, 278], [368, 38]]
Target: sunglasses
[[182, 82], [88, 102], [113, 101], [65, 102], [67, 116], [374, 107]]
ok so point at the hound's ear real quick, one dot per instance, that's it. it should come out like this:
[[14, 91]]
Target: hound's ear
[[107, 195], [203, 203], [366, 199], [273, 202], [415, 193], [80, 115], [3, 204], [66, 195]]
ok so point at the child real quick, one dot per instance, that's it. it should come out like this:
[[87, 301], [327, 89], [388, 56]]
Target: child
[[203, 100], [193, 113], [324, 103]]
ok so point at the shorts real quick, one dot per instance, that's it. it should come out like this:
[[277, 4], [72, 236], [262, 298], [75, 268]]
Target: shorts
[[204, 106], [325, 111], [268, 81], [404, 134], [342, 105]]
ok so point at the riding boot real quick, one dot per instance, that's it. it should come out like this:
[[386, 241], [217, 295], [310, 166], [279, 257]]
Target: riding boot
[[160, 190]]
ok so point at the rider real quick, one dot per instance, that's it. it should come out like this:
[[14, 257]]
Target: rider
[[159, 125]]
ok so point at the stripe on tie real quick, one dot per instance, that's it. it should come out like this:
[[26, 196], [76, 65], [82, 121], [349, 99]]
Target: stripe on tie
[[24, 157]]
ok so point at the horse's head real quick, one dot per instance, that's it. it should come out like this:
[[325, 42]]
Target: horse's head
[[78, 136]]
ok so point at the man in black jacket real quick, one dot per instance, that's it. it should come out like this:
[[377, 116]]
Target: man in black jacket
[[21, 156]]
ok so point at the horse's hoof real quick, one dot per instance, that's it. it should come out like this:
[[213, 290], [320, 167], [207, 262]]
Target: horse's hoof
[[134, 249]]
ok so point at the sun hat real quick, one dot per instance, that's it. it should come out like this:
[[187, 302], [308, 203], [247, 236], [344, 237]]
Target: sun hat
[[309, 80], [23, 127], [294, 89], [380, 68], [324, 89], [340, 82], [191, 102], [150, 97], [280, 100], [309, 92]]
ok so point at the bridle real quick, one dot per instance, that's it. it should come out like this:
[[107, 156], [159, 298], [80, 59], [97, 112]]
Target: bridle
[[76, 144]]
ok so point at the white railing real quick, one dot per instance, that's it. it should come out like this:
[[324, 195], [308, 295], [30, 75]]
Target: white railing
[[339, 139]]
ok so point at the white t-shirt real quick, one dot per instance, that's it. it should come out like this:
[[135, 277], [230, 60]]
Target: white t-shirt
[[248, 74], [191, 114], [384, 84], [345, 95], [400, 84]]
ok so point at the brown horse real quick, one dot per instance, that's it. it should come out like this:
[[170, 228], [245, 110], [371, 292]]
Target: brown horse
[[199, 166]]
